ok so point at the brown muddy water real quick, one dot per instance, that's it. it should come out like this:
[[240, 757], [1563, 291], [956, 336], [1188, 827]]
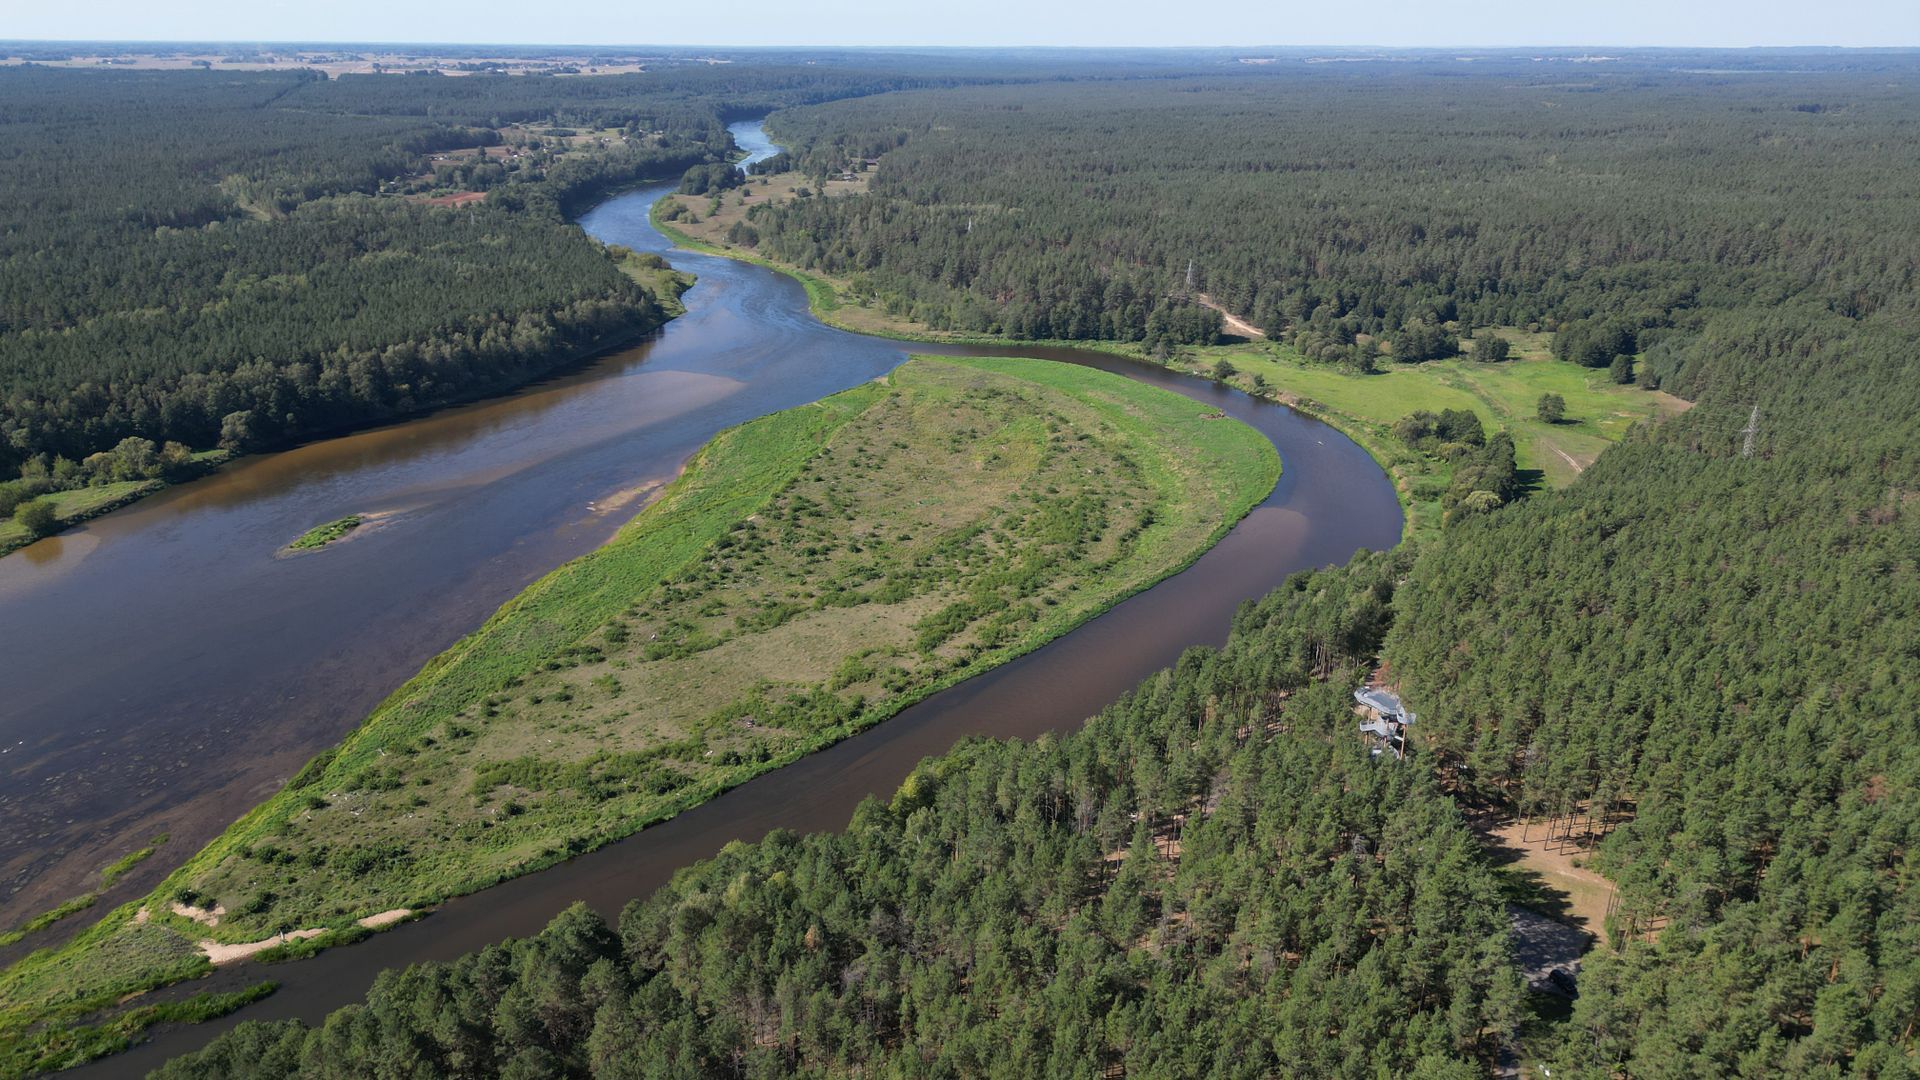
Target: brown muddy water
[[167, 667]]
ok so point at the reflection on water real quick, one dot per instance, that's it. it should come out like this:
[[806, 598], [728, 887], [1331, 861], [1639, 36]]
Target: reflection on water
[[53, 553]]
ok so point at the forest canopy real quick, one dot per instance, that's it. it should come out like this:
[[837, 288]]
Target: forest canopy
[[1387, 202]]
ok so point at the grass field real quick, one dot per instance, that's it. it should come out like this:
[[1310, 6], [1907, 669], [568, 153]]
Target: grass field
[[811, 573], [77, 505], [1504, 395]]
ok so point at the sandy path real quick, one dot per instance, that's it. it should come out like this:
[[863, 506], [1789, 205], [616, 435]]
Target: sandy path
[[1234, 322], [385, 918], [1564, 456], [221, 953]]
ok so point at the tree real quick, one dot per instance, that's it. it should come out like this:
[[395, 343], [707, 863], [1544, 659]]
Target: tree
[[1594, 345], [1552, 408], [176, 461], [1479, 502], [1492, 348], [36, 516], [1224, 370], [134, 458], [1419, 341], [1621, 370], [236, 430]]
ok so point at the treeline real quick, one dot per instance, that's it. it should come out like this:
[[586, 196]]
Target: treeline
[[674, 98], [1311, 201], [1211, 879]]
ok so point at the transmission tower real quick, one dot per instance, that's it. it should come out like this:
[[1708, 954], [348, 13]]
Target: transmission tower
[[1189, 275], [1752, 429]]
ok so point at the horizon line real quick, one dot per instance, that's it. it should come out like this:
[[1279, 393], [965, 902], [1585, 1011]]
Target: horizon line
[[344, 42]]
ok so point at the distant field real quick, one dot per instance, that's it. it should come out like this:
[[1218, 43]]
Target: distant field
[[1503, 395], [335, 64], [812, 573]]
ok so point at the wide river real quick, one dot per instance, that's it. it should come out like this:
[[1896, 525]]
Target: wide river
[[165, 668]]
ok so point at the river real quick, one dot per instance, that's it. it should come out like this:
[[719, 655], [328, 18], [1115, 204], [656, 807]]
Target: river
[[167, 668]]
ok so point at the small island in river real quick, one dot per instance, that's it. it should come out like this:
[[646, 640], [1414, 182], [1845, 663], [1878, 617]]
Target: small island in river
[[321, 535]]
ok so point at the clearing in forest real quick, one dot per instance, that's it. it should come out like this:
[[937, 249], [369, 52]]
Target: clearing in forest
[[810, 574], [1552, 871]]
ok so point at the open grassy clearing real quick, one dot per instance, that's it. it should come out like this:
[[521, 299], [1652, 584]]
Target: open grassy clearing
[[811, 573], [77, 505], [1503, 395]]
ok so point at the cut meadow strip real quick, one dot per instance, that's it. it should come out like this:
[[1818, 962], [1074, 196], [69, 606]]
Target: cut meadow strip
[[810, 574]]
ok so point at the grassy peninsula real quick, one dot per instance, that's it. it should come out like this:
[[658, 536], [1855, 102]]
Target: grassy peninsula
[[810, 574]]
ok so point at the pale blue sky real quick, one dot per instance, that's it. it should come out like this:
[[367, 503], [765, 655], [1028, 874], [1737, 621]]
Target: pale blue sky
[[983, 22]]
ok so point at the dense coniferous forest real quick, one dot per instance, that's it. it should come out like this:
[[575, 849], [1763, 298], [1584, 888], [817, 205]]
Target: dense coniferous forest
[[197, 258], [1716, 654], [1385, 201]]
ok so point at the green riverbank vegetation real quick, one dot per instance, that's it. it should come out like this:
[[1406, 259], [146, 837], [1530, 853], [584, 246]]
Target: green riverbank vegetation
[[810, 574], [57, 494]]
